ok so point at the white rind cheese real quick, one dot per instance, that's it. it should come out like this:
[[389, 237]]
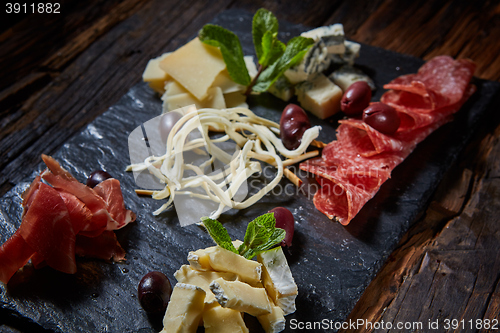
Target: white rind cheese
[[217, 319], [241, 296], [273, 322], [218, 259], [278, 280], [320, 96], [202, 279], [184, 310]]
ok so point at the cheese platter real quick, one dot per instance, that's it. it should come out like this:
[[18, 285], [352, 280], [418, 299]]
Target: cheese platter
[[331, 264]]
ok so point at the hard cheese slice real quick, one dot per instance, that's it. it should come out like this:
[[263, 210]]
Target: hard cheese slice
[[154, 75], [240, 296], [195, 66], [185, 309], [217, 319], [278, 280]]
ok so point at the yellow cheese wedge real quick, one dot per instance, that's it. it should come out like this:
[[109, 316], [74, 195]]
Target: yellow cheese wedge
[[188, 275], [241, 296], [217, 319], [320, 96], [184, 310], [235, 100], [154, 75], [195, 66], [218, 259], [214, 100]]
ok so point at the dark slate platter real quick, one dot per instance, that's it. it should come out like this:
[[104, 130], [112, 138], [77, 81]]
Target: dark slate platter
[[332, 264]]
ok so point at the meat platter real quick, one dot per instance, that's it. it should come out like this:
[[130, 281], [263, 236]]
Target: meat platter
[[332, 264]]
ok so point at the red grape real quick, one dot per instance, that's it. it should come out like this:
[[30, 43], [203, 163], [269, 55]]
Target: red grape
[[284, 220], [382, 117], [154, 292], [96, 177], [356, 98], [293, 123]]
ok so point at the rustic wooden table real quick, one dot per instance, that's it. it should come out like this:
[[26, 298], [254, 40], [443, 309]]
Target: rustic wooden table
[[60, 71]]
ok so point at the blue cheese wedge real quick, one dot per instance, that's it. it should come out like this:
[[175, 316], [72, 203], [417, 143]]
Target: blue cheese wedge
[[352, 50], [347, 75], [315, 61], [217, 319], [320, 96], [186, 274], [282, 88], [332, 36], [184, 310], [278, 280], [241, 296], [218, 259]]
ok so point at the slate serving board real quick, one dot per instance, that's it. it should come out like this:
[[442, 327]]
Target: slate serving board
[[332, 264]]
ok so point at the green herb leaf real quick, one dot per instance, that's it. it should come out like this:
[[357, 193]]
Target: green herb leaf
[[218, 233], [295, 50], [277, 237], [260, 236], [263, 21], [272, 49], [230, 48]]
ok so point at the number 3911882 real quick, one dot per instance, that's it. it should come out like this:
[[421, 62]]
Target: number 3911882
[[32, 8]]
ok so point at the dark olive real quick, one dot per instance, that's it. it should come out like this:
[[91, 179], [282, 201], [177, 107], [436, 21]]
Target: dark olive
[[167, 122], [382, 117], [96, 177], [356, 98], [293, 123], [284, 220], [154, 292]]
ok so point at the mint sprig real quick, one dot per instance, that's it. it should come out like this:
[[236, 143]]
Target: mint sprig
[[274, 57], [261, 235], [230, 48], [219, 234]]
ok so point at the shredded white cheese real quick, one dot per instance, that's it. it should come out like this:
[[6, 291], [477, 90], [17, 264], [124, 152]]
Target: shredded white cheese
[[257, 138]]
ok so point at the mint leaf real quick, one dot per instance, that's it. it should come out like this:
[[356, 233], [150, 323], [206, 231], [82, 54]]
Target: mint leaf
[[272, 49], [263, 21], [277, 237], [218, 233], [261, 235], [295, 50], [230, 48]]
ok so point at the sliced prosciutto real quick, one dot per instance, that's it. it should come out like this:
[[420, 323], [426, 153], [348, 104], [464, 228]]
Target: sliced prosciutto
[[47, 229], [352, 168], [64, 220]]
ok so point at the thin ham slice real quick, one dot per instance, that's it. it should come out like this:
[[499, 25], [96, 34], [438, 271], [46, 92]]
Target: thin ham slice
[[105, 246], [14, 254], [66, 219], [111, 192], [46, 227]]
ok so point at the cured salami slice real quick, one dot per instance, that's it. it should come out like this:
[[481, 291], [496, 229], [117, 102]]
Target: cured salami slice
[[352, 168], [439, 82]]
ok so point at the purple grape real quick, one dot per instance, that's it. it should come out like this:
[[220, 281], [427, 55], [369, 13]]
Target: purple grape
[[96, 177], [154, 292], [284, 220]]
